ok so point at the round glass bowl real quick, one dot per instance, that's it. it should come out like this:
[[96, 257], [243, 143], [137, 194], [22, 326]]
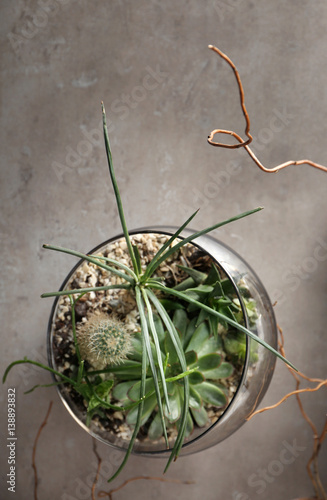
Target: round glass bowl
[[257, 371]]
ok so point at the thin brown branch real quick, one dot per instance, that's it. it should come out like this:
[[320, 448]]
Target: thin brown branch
[[109, 494], [323, 434], [44, 423], [314, 460], [296, 374], [317, 440], [99, 459], [310, 379], [284, 165], [312, 465], [299, 391], [245, 113], [245, 144], [303, 413]]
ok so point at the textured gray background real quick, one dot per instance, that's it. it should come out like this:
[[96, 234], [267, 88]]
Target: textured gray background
[[56, 67]]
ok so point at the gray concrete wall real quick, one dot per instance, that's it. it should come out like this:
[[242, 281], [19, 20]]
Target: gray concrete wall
[[59, 59]]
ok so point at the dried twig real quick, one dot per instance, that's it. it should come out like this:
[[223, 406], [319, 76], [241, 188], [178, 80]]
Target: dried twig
[[109, 494], [318, 440], [292, 393], [245, 113], [99, 459], [34, 449], [312, 465], [245, 144]]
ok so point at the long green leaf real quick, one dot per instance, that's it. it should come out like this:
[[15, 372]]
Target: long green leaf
[[80, 362], [228, 320], [158, 350], [177, 343], [152, 266], [197, 234], [139, 415], [90, 259], [145, 333], [181, 375], [84, 290], [137, 258], [40, 365], [116, 263], [41, 385], [116, 191], [129, 383]]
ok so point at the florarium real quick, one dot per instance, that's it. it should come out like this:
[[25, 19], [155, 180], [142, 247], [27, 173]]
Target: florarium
[[162, 340], [154, 338]]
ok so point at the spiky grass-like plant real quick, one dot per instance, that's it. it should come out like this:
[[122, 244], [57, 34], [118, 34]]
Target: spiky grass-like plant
[[145, 287]]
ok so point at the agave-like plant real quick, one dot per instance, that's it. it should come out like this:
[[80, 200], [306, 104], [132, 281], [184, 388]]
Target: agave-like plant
[[205, 367], [205, 354], [144, 285]]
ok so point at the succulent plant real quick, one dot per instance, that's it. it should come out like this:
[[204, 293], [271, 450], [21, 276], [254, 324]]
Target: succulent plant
[[202, 299], [205, 353], [204, 361]]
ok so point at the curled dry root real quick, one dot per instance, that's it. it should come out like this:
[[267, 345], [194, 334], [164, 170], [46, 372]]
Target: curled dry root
[[241, 142], [312, 465], [43, 424]]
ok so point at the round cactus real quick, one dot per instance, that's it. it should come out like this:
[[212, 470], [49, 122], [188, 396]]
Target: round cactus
[[104, 340]]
